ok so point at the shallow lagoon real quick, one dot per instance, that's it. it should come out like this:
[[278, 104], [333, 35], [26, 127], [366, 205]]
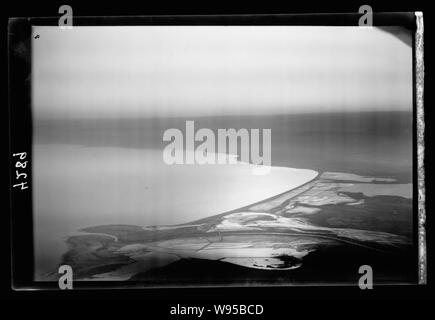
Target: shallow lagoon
[[77, 187]]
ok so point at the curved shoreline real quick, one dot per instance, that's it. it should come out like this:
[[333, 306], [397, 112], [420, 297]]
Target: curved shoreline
[[252, 204]]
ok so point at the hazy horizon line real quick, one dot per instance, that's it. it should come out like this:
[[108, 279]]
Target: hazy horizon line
[[257, 115]]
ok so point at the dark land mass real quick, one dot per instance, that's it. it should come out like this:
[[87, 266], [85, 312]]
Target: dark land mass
[[326, 266], [378, 213], [314, 234]]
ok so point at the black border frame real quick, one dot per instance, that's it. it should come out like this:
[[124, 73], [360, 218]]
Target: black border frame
[[21, 116]]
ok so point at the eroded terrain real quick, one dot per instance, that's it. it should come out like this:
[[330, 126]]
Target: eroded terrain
[[333, 210]]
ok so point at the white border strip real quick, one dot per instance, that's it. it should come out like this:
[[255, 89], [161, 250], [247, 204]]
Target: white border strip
[[419, 78]]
